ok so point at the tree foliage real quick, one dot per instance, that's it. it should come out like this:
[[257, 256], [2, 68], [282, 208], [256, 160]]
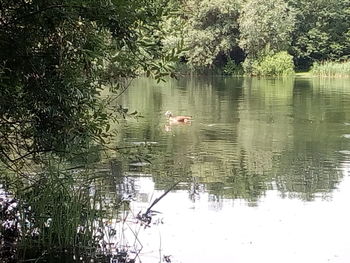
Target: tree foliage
[[216, 31], [211, 30], [322, 31], [56, 56], [265, 25]]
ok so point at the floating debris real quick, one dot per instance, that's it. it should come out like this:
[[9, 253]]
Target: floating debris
[[146, 217], [167, 258]]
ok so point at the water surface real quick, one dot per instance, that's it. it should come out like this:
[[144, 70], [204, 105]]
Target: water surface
[[263, 168]]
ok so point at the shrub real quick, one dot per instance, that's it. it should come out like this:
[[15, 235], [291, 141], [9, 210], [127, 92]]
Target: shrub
[[279, 64]]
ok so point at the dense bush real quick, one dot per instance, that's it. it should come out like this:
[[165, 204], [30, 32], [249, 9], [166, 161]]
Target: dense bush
[[279, 64]]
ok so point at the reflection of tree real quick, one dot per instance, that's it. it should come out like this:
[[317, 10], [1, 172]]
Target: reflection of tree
[[309, 165], [246, 134], [240, 182], [304, 176]]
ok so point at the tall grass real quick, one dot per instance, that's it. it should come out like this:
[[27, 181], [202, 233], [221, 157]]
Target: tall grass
[[331, 69], [59, 211]]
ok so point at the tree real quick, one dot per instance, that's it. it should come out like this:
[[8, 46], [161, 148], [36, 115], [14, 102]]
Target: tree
[[210, 30], [322, 31], [265, 25]]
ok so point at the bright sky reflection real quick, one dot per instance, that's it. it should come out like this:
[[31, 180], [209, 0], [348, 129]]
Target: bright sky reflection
[[277, 230]]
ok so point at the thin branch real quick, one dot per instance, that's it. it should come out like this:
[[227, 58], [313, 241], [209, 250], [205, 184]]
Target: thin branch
[[121, 93], [159, 198], [5, 154]]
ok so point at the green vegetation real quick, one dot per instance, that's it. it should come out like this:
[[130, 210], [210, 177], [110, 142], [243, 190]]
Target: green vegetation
[[279, 64], [233, 69], [57, 210], [331, 69], [216, 32], [266, 29], [55, 207], [211, 30], [58, 58], [321, 31], [55, 60]]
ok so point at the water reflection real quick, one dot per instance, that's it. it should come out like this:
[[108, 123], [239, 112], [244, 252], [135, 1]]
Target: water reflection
[[257, 149], [208, 229], [263, 171], [247, 135]]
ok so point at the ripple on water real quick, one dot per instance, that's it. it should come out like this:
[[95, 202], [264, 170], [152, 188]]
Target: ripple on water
[[139, 164], [144, 143], [345, 152]]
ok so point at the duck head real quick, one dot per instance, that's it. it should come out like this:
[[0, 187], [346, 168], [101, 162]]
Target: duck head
[[168, 114]]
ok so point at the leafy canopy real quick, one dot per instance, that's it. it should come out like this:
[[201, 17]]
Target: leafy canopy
[[265, 24], [211, 30], [322, 31]]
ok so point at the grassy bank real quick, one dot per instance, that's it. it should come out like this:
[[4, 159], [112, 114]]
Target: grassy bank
[[331, 69]]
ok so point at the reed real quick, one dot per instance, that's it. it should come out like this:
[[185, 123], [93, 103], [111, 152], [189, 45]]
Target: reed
[[59, 212], [331, 69]]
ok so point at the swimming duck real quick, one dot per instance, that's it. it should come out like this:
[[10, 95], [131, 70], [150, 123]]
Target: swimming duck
[[176, 119]]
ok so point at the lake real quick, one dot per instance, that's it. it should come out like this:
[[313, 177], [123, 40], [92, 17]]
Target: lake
[[262, 169]]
